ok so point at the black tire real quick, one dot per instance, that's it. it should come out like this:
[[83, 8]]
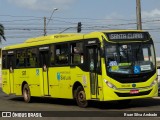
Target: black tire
[[26, 93], [81, 97]]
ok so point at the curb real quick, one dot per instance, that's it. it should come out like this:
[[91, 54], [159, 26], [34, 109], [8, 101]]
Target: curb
[[156, 97]]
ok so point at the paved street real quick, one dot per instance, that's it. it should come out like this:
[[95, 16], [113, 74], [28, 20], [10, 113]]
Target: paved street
[[14, 103]]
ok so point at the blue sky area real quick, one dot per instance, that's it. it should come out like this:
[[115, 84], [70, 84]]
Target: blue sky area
[[23, 19]]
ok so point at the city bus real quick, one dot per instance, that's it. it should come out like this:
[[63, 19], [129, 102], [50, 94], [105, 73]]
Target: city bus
[[112, 65]]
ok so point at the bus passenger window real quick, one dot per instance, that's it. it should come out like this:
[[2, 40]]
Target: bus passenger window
[[21, 58], [17, 62], [62, 54], [76, 53], [4, 60], [31, 59]]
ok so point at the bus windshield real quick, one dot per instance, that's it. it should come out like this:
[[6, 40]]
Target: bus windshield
[[132, 58]]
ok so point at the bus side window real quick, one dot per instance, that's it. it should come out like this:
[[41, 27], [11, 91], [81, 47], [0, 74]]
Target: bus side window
[[17, 59], [62, 54], [4, 60], [77, 53], [31, 58], [21, 58]]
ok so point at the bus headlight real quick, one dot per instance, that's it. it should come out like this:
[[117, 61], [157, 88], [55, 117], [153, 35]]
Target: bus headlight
[[109, 84], [153, 83]]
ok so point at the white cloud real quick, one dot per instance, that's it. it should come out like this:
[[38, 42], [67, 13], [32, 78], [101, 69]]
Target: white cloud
[[42, 4], [151, 14]]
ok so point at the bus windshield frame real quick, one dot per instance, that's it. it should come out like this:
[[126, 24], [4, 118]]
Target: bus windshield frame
[[132, 58]]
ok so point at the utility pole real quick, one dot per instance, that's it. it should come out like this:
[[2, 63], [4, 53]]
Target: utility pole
[[45, 26], [138, 12]]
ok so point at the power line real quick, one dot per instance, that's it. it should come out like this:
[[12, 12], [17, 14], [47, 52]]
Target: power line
[[21, 16], [21, 20]]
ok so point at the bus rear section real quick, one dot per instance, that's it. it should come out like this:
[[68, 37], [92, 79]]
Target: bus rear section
[[7, 73]]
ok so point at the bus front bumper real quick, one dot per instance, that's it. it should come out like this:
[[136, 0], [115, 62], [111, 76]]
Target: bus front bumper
[[136, 93]]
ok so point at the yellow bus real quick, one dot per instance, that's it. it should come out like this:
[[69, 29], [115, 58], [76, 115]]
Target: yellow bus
[[103, 66]]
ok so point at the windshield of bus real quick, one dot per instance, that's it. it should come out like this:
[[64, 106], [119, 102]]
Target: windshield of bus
[[133, 58]]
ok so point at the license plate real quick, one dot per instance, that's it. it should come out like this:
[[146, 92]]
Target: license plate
[[134, 91]]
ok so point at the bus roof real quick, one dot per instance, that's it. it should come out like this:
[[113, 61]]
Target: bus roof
[[42, 40], [52, 37]]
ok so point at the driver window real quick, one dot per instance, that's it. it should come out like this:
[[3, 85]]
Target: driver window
[[111, 53]]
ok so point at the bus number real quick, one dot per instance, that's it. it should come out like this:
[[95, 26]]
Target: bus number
[[23, 72]]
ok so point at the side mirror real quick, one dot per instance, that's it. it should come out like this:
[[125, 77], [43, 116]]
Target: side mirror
[[44, 68], [11, 70], [91, 66]]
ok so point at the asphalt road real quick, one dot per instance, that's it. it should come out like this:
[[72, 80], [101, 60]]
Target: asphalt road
[[16, 103]]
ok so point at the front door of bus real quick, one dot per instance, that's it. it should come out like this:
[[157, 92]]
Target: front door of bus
[[44, 58], [92, 54], [10, 63]]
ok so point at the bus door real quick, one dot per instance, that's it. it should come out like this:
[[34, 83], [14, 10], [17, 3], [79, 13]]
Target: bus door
[[10, 67], [44, 62], [92, 57]]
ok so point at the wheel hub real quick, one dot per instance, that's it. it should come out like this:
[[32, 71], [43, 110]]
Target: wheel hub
[[81, 96]]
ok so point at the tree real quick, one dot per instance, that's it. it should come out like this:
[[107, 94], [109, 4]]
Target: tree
[[2, 32]]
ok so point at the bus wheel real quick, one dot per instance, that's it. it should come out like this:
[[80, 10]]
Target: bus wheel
[[26, 93], [81, 97]]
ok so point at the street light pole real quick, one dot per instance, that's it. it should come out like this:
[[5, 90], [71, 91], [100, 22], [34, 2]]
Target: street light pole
[[46, 24], [51, 15]]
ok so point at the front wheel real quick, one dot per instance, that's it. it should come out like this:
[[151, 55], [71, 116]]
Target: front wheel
[[26, 93], [81, 97]]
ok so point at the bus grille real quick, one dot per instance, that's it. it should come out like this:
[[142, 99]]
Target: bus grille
[[130, 95]]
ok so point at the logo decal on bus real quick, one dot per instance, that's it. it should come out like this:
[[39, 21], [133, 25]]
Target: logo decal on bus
[[58, 76], [133, 85]]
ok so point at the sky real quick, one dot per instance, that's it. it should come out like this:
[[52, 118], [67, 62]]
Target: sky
[[24, 19]]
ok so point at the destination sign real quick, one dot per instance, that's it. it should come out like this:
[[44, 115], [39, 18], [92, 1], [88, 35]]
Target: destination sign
[[128, 36]]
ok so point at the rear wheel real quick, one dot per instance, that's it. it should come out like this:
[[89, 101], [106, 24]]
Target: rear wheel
[[81, 97], [26, 93]]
